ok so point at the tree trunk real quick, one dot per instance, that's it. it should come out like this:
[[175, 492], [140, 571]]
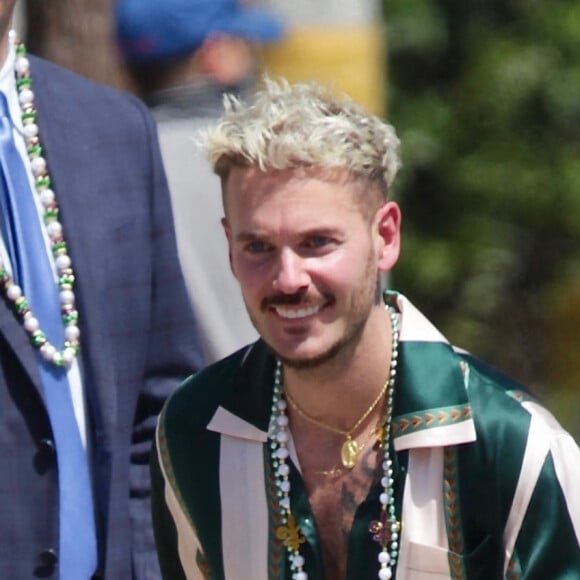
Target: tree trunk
[[77, 34]]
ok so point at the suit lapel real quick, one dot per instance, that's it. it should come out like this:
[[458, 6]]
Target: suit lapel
[[17, 338], [62, 137]]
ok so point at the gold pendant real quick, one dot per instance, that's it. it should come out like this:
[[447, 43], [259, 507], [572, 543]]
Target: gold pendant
[[349, 452], [290, 534]]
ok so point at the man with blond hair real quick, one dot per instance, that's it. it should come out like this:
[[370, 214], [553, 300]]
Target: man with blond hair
[[352, 440]]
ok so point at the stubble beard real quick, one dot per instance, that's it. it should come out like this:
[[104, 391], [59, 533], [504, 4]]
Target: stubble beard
[[363, 300]]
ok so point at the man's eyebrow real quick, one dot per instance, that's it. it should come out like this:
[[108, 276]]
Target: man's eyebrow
[[314, 231], [248, 237], [320, 231]]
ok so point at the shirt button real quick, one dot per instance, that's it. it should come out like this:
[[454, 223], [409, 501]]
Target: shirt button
[[48, 558], [47, 445], [45, 457]]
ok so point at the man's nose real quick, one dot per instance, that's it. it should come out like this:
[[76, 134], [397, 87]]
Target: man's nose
[[292, 275]]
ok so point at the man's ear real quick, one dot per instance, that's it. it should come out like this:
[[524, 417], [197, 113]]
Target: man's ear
[[387, 226], [228, 232]]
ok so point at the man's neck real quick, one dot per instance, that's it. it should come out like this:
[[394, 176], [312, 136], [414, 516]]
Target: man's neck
[[336, 390]]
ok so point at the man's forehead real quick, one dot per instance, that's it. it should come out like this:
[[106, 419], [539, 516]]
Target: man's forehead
[[253, 184], [253, 174]]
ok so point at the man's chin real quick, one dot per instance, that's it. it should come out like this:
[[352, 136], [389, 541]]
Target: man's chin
[[309, 361]]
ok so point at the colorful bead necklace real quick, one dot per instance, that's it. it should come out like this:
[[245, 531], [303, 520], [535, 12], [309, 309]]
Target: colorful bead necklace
[[42, 181], [384, 530]]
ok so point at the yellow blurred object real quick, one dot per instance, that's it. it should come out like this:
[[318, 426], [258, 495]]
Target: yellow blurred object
[[563, 372], [350, 59]]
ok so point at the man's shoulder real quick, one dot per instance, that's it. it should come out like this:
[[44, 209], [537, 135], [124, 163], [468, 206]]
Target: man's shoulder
[[63, 83], [503, 407], [197, 398], [487, 382]]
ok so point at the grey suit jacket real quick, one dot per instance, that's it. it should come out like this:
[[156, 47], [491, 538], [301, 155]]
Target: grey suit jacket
[[139, 338], [197, 206]]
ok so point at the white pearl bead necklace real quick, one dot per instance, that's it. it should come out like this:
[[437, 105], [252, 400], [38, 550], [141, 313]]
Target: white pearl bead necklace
[[385, 530], [65, 356]]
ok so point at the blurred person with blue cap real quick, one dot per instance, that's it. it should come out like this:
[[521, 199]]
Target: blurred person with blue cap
[[153, 30], [183, 55]]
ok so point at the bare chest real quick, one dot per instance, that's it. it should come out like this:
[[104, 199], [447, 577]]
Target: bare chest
[[334, 499]]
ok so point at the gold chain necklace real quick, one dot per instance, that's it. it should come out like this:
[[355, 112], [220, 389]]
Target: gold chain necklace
[[376, 433], [350, 450]]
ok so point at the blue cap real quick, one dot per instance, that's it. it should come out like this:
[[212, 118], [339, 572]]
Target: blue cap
[[157, 29]]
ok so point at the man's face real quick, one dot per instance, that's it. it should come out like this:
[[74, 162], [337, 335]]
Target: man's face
[[306, 257]]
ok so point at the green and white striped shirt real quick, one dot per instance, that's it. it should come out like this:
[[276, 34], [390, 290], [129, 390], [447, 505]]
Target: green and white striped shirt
[[488, 482]]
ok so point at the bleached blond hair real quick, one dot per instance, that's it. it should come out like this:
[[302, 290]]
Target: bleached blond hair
[[303, 125]]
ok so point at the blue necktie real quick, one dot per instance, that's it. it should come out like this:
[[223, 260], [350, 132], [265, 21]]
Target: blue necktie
[[32, 271]]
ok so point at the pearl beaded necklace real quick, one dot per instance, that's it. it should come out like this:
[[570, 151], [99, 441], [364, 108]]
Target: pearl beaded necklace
[[65, 356], [385, 530]]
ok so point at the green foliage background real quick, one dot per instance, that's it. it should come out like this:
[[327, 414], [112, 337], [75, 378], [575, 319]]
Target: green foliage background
[[485, 96]]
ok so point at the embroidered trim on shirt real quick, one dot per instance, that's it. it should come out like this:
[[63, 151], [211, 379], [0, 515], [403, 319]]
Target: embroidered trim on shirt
[[276, 550], [167, 470], [202, 564], [452, 516], [514, 569], [430, 419], [520, 396]]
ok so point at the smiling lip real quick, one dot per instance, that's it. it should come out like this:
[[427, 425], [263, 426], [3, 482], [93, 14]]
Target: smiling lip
[[296, 313]]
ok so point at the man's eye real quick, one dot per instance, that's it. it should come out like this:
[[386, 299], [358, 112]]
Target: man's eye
[[257, 247], [316, 242]]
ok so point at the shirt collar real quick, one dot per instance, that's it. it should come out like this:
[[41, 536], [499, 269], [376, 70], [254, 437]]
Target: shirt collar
[[431, 400], [8, 86]]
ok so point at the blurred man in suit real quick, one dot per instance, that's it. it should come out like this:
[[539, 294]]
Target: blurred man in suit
[[79, 398]]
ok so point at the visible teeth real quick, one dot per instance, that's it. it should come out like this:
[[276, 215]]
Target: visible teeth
[[296, 313]]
